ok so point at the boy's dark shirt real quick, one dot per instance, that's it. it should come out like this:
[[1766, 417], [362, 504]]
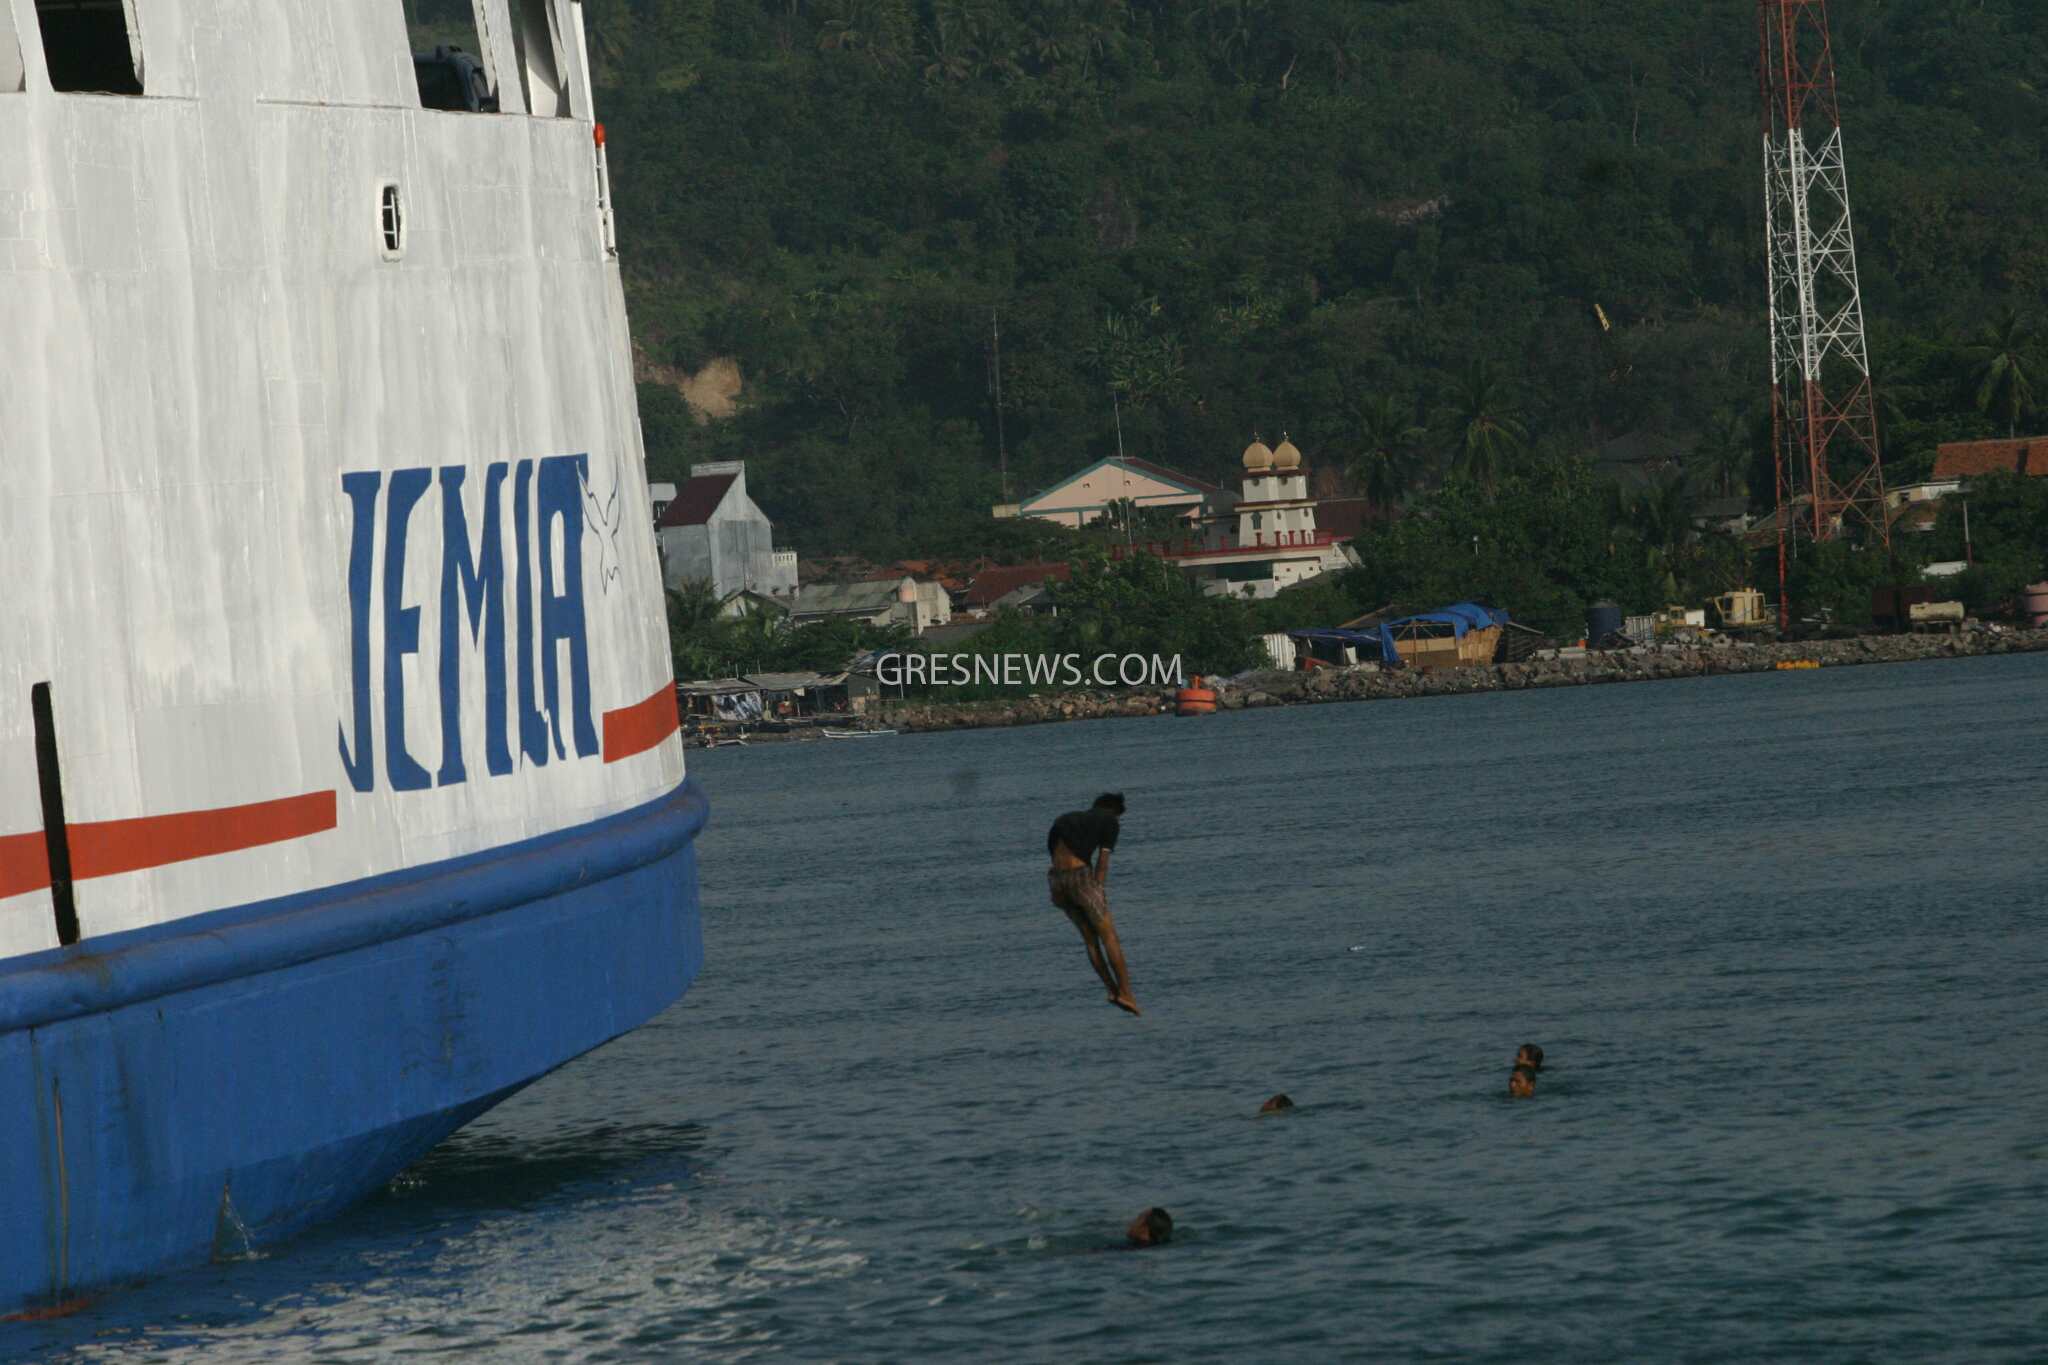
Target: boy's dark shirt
[[1083, 831]]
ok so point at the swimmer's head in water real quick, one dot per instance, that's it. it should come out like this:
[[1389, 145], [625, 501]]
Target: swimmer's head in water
[[1153, 1227], [1111, 801], [1276, 1105], [1521, 1083], [1530, 1056]]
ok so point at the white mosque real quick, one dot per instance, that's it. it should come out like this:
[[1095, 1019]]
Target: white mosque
[[1269, 540]]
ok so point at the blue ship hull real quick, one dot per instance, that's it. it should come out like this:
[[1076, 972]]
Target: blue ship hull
[[263, 1067]]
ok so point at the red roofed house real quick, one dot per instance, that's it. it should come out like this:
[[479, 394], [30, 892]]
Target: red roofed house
[[991, 585], [713, 532], [1912, 506], [2027, 456]]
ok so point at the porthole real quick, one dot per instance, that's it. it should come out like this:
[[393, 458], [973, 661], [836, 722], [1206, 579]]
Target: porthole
[[390, 220]]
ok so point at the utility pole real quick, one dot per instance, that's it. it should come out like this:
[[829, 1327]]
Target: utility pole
[[995, 342], [1823, 415], [1123, 474]]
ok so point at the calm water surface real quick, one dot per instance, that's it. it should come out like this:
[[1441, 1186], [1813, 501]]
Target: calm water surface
[[1781, 937]]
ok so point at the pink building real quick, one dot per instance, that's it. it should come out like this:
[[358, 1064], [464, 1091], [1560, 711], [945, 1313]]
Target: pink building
[[1088, 495]]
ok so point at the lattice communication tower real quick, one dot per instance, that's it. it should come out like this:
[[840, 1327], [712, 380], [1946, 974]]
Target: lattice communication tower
[[1823, 416]]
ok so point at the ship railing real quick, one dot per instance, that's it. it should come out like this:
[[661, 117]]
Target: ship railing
[[604, 197]]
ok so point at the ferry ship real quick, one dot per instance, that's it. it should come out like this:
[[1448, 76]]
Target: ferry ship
[[341, 794]]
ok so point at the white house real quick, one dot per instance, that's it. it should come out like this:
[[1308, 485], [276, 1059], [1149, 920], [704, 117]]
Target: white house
[[749, 603], [890, 601], [711, 531], [661, 495]]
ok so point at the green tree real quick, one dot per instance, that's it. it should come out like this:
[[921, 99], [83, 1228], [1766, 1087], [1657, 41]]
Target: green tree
[[1140, 361], [1289, 202], [2008, 544], [693, 627], [1831, 582], [1727, 452], [1384, 467], [1490, 433], [2004, 392], [1662, 519], [1143, 605]]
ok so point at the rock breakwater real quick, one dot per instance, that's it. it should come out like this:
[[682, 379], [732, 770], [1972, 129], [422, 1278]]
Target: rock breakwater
[[1645, 664]]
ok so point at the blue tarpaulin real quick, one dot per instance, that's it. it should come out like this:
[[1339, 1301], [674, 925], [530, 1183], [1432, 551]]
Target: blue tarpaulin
[[1459, 617], [1370, 644]]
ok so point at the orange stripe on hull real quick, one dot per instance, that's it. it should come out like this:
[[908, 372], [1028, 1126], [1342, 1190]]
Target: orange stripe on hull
[[24, 864], [110, 847], [637, 728]]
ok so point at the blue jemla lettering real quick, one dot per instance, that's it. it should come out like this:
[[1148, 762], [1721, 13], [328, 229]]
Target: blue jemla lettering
[[401, 626], [561, 612], [475, 583], [533, 727], [361, 766], [546, 615]]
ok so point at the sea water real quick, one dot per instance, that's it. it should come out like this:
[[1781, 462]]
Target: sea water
[[1780, 936]]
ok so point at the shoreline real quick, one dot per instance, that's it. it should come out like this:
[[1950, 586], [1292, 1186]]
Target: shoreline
[[1645, 663]]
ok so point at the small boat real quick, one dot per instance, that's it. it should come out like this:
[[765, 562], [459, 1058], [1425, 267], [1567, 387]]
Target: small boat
[[1196, 699], [728, 743], [858, 734]]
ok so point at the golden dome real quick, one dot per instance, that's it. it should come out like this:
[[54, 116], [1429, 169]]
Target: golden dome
[[1257, 458], [1287, 456]]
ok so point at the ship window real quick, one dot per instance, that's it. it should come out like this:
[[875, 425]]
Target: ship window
[[391, 220], [90, 45], [447, 56], [533, 34]]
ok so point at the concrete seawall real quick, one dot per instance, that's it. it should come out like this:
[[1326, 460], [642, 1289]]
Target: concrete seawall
[[1653, 664]]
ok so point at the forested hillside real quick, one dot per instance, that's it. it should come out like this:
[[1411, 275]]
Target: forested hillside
[[1341, 218]]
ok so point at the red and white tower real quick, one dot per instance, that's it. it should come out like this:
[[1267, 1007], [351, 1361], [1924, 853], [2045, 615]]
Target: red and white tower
[[1823, 417]]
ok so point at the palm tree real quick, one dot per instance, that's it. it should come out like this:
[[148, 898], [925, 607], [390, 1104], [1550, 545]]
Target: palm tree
[[2003, 389], [946, 52], [1726, 453], [692, 604], [869, 28], [693, 628], [1662, 520], [1490, 434], [1385, 462], [1232, 27], [1663, 514]]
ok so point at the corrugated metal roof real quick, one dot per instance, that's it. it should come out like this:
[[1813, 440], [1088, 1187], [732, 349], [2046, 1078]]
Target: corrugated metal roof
[[1024, 595], [791, 682], [707, 687], [837, 597]]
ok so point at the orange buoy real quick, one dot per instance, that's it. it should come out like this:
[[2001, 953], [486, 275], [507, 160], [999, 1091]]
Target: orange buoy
[[1196, 699]]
